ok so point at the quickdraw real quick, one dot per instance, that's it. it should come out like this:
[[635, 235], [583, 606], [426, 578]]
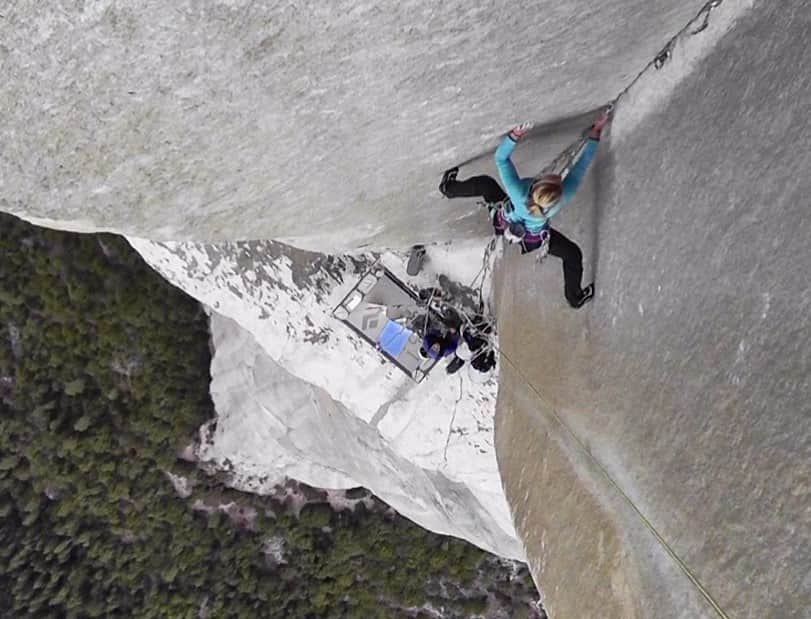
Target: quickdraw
[[538, 243]]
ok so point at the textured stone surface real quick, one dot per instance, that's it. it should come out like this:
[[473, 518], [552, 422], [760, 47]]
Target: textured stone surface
[[272, 425], [299, 394], [689, 377], [324, 124], [584, 544], [687, 380]]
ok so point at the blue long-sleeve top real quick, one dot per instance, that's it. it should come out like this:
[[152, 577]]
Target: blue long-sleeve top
[[518, 188]]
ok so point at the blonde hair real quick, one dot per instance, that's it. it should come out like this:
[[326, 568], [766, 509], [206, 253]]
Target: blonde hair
[[542, 196]]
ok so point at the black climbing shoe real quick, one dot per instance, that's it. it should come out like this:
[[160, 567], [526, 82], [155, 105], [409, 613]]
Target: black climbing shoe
[[449, 175], [454, 365], [587, 295]]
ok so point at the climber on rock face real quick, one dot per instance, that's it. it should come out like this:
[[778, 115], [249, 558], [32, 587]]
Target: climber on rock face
[[522, 213]]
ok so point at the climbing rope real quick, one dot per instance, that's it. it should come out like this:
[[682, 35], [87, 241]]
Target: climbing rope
[[664, 55], [548, 408]]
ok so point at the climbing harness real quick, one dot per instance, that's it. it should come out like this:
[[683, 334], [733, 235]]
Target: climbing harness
[[515, 233], [549, 411], [504, 205], [539, 243]]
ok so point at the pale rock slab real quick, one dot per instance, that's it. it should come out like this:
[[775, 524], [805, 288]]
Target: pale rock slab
[[300, 395]]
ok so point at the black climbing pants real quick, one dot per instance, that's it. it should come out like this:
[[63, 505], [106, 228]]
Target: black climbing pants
[[485, 187], [568, 251]]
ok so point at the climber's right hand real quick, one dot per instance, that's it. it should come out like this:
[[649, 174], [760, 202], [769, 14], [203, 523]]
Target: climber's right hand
[[599, 125], [519, 131]]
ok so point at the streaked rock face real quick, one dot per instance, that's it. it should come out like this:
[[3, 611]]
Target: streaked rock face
[[688, 380], [326, 124]]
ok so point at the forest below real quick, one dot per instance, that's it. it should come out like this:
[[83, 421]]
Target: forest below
[[104, 375]]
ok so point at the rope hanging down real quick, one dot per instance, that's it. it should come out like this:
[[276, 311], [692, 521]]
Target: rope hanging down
[[549, 410]]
